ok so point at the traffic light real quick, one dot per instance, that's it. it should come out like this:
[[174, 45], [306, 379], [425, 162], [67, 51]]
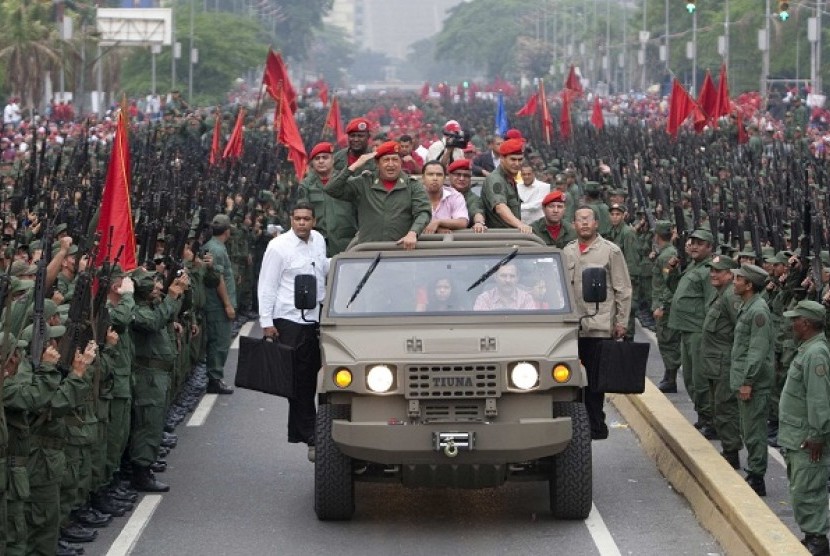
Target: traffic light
[[690, 6], [783, 10]]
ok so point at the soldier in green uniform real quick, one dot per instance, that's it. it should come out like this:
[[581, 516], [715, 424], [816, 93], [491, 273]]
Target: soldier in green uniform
[[593, 199], [804, 428], [155, 350], [668, 339], [336, 219], [502, 205], [391, 205], [552, 227], [357, 132], [643, 293], [220, 306], [716, 356], [624, 237], [460, 172], [752, 369], [692, 293]]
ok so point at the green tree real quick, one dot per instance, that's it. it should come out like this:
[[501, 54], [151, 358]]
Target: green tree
[[330, 55], [27, 48], [229, 45]]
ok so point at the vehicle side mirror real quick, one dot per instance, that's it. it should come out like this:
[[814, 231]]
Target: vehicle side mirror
[[594, 285], [305, 292]]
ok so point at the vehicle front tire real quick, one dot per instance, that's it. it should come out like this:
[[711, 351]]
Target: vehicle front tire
[[571, 486], [333, 479]]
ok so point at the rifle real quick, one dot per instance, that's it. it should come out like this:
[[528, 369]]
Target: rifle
[[100, 315], [39, 335], [78, 325]]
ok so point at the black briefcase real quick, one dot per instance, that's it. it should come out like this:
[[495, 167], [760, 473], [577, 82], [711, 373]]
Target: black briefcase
[[620, 368], [265, 366]]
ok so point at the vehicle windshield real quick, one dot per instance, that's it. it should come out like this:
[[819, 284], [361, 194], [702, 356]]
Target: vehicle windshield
[[431, 285]]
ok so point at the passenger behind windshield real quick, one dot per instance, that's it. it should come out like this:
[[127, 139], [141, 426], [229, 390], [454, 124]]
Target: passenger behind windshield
[[506, 294], [441, 297]]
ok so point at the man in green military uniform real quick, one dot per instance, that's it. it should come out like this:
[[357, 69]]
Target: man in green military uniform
[[552, 227], [391, 206], [593, 199], [716, 356], [502, 205], [624, 237], [804, 429], [155, 351], [336, 219], [752, 369], [643, 292], [692, 293], [220, 306], [357, 132], [668, 339]]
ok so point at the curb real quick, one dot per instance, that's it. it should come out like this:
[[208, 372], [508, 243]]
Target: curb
[[722, 501]]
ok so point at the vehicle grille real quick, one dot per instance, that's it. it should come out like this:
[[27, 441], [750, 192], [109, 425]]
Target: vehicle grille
[[452, 381], [445, 411]]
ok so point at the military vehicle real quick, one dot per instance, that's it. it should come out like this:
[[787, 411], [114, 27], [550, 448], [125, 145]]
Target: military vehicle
[[451, 365]]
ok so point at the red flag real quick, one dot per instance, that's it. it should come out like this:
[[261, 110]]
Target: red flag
[[215, 147], [116, 214], [289, 135], [547, 119], [722, 105], [565, 116], [276, 77], [530, 106], [680, 106], [742, 135], [335, 123], [572, 82], [233, 149], [596, 115], [707, 102], [324, 93]]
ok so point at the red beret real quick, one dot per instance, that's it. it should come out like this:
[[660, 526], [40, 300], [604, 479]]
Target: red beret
[[512, 146], [390, 147], [321, 148], [358, 124], [554, 196], [462, 164], [513, 134]]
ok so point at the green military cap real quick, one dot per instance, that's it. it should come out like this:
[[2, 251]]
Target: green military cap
[[617, 206], [664, 163], [60, 228], [748, 254], [555, 162], [663, 227], [51, 331], [722, 262], [778, 258], [713, 180], [144, 280], [221, 220], [591, 187], [16, 285], [116, 271], [73, 249], [811, 310], [753, 273], [161, 237], [727, 249], [703, 235], [266, 196], [34, 246], [619, 191], [767, 251], [20, 268]]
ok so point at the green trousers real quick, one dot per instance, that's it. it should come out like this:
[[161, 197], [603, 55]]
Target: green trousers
[[46, 468], [98, 451], [150, 391], [725, 414], [696, 384], [218, 332], [668, 340], [118, 432], [76, 478], [17, 496], [808, 490], [754, 413]]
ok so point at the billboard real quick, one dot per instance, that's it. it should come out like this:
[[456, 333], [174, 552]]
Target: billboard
[[135, 26]]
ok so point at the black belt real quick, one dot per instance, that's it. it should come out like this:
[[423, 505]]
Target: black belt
[[159, 364], [18, 461]]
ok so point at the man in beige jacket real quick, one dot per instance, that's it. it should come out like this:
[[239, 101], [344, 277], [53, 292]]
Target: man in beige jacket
[[592, 250]]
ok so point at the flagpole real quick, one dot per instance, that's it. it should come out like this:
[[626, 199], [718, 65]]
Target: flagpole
[[323, 134]]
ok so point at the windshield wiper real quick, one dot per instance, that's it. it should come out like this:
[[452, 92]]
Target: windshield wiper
[[362, 282], [493, 270]]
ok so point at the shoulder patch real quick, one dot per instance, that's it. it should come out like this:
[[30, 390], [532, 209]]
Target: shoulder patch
[[498, 189], [821, 370], [760, 320]]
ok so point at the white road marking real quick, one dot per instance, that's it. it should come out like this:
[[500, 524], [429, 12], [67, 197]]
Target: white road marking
[[244, 331], [775, 454], [600, 534], [202, 411], [125, 542]]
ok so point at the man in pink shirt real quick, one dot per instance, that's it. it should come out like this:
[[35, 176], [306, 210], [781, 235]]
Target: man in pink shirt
[[449, 209], [506, 295]]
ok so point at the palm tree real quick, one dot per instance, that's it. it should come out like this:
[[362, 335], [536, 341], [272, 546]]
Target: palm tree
[[27, 47]]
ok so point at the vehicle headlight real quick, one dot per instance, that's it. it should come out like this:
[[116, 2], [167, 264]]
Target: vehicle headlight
[[561, 373], [343, 378], [524, 376], [380, 378]]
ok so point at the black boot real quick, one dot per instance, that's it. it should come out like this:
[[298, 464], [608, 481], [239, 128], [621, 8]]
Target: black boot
[[756, 483], [668, 385], [816, 545], [145, 481], [76, 533], [733, 459], [216, 386]]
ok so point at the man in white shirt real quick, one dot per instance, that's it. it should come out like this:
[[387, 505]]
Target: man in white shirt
[[302, 250], [11, 113], [438, 149], [531, 191]]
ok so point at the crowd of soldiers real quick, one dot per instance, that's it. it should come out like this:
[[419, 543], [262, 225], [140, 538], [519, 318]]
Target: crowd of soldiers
[[90, 416]]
